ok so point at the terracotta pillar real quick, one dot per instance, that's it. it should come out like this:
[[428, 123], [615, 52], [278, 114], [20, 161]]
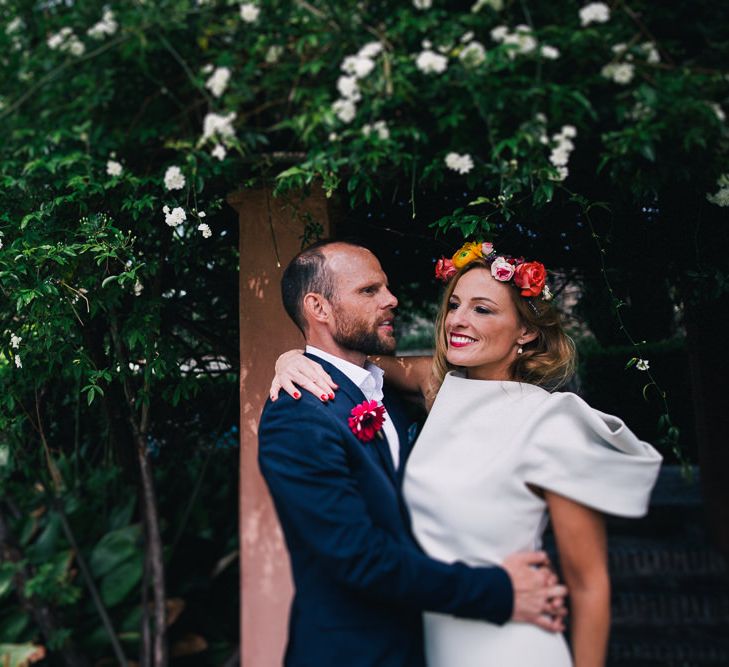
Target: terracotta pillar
[[270, 235]]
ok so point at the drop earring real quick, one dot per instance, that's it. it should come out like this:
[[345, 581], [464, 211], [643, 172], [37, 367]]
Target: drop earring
[[520, 350]]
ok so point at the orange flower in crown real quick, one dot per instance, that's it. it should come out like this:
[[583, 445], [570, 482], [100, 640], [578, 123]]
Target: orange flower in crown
[[467, 253]]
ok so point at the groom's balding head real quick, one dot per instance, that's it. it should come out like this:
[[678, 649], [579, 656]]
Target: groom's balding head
[[309, 272]]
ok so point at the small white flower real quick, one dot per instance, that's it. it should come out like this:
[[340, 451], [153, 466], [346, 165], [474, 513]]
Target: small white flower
[[370, 50], [174, 178], [57, 39], [218, 81], [619, 48], [422, 4], [642, 364], [15, 341], [1, 243], [274, 53], [522, 39], [430, 62], [218, 125], [107, 26], [333, 136], [174, 217], [138, 288], [201, 214], [621, 73], [559, 156], [114, 168], [716, 108], [460, 163], [595, 12], [466, 37], [206, 69], [426, 44], [348, 88], [473, 54], [562, 173], [379, 128], [445, 49], [249, 12], [205, 230], [357, 66], [499, 33], [74, 46], [651, 52], [345, 110], [720, 198], [16, 25], [569, 131], [18, 362], [219, 152], [549, 52]]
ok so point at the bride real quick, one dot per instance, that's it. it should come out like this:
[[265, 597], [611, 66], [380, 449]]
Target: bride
[[501, 453]]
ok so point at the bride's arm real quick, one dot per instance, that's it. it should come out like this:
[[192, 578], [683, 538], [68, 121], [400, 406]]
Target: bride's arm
[[293, 371], [582, 545], [410, 375]]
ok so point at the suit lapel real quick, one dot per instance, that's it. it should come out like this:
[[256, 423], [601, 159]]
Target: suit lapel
[[349, 395]]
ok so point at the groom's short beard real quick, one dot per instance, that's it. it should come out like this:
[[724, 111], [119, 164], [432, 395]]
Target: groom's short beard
[[355, 335]]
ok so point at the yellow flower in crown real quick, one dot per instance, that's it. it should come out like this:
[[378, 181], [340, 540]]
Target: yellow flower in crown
[[467, 253]]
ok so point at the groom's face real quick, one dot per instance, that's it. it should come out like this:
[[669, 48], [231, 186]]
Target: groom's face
[[362, 304]]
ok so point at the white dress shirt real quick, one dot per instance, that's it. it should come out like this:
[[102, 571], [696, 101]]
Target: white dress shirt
[[369, 379]]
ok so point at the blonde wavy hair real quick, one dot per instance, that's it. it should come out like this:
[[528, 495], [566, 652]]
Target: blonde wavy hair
[[548, 361]]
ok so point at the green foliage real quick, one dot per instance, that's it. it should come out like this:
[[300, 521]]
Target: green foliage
[[116, 312]]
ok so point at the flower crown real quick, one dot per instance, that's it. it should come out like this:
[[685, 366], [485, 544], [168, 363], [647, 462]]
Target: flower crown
[[529, 277]]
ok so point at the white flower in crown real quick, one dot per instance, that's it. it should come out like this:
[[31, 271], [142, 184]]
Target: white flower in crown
[[502, 270], [642, 365]]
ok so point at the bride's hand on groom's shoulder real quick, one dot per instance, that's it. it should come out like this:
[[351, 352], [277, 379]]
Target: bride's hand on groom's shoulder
[[538, 595], [294, 371]]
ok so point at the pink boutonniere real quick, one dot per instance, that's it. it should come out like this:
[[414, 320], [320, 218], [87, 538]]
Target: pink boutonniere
[[366, 420]]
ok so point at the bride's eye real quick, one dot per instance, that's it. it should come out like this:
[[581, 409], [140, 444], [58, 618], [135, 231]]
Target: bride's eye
[[452, 305], [482, 310]]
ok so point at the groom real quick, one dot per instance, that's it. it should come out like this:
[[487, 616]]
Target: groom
[[361, 581]]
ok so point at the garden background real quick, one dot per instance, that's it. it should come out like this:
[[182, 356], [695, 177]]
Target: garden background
[[592, 137]]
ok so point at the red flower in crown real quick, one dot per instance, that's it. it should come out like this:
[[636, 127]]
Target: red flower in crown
[[530, 277], [367, 420], [444, 269]]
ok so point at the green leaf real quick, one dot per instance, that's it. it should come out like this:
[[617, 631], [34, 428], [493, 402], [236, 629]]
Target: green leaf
[[108, 279], [121, 581], [115, 548]]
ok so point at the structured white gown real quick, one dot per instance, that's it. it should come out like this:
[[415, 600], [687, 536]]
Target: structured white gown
[[466, 485]]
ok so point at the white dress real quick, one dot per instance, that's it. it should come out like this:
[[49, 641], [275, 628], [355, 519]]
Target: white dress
[[466, 488]]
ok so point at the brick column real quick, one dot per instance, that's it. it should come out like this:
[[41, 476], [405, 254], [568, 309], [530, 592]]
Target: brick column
[[270, 235]]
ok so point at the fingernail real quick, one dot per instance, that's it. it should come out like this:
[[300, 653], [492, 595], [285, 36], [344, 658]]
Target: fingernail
[[324, 397], [297, 394], [331, 396], [273, 398]]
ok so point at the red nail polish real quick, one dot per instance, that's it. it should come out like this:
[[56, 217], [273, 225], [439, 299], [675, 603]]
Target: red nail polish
[[331, 396], [323, 397], [296, 394]]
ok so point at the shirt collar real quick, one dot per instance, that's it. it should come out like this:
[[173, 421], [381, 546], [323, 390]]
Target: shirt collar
[[368, 379]]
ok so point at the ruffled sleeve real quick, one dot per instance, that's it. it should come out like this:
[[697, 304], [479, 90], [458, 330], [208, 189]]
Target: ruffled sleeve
[[589, 456]]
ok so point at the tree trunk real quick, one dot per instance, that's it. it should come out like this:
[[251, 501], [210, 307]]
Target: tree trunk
[[706, 327]]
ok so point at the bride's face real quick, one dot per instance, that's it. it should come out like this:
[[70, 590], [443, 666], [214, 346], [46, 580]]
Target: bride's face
[[482, 326]]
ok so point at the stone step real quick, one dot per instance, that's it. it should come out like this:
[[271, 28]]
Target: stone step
[[677, 652], [670, 609], [663, 560]]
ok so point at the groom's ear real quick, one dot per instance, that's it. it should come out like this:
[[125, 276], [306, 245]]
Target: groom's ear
[[317, 308]]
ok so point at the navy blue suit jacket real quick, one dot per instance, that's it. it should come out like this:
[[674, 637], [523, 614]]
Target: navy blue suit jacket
[[361, 582]]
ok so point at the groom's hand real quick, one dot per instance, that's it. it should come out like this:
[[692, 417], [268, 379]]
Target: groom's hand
[[538, 597]]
